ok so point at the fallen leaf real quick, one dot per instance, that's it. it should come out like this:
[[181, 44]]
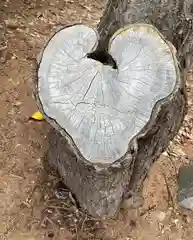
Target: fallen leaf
[[37, 116]]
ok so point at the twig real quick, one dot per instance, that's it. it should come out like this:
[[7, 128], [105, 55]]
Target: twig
[[62, 208], [48, 220], [170, 197], [81, 228], [173, 163], [147, 210]]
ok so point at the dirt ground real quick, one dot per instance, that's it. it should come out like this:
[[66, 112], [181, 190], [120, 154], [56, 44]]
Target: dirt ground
[[25, 189]]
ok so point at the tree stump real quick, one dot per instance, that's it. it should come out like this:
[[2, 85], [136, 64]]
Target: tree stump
[[115, 97]]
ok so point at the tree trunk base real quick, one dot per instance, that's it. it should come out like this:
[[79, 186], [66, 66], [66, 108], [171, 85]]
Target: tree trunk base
[[101, 191]]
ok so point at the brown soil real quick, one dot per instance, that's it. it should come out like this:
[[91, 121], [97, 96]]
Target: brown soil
[[25, 190]]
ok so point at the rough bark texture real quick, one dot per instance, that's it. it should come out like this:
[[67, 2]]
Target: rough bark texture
[[173, 18], [100, 190]]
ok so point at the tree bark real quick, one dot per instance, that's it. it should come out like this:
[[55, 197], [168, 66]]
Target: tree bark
[[173, 18], [100, 191]]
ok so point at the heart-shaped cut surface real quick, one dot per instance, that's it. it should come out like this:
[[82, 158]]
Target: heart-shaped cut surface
[[102, 108]]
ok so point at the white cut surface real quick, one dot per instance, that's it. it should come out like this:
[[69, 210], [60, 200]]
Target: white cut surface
[[102, 108]]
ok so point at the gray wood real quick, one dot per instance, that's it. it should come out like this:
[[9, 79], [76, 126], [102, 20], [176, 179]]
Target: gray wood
[[100, 184], [185, 182]]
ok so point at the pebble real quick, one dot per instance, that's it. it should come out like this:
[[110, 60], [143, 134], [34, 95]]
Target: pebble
[[185, 182]]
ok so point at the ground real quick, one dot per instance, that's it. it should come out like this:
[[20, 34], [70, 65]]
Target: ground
[[26, 192]]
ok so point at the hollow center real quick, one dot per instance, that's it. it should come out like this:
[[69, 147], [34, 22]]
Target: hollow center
[[103, 57]]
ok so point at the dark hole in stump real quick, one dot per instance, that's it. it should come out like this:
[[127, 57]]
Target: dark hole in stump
[[104, 57]]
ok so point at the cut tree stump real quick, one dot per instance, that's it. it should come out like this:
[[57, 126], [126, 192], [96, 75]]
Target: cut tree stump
[[115, 97]]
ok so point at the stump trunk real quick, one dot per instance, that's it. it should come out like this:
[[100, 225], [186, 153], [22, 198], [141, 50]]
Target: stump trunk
[[101, 189]]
